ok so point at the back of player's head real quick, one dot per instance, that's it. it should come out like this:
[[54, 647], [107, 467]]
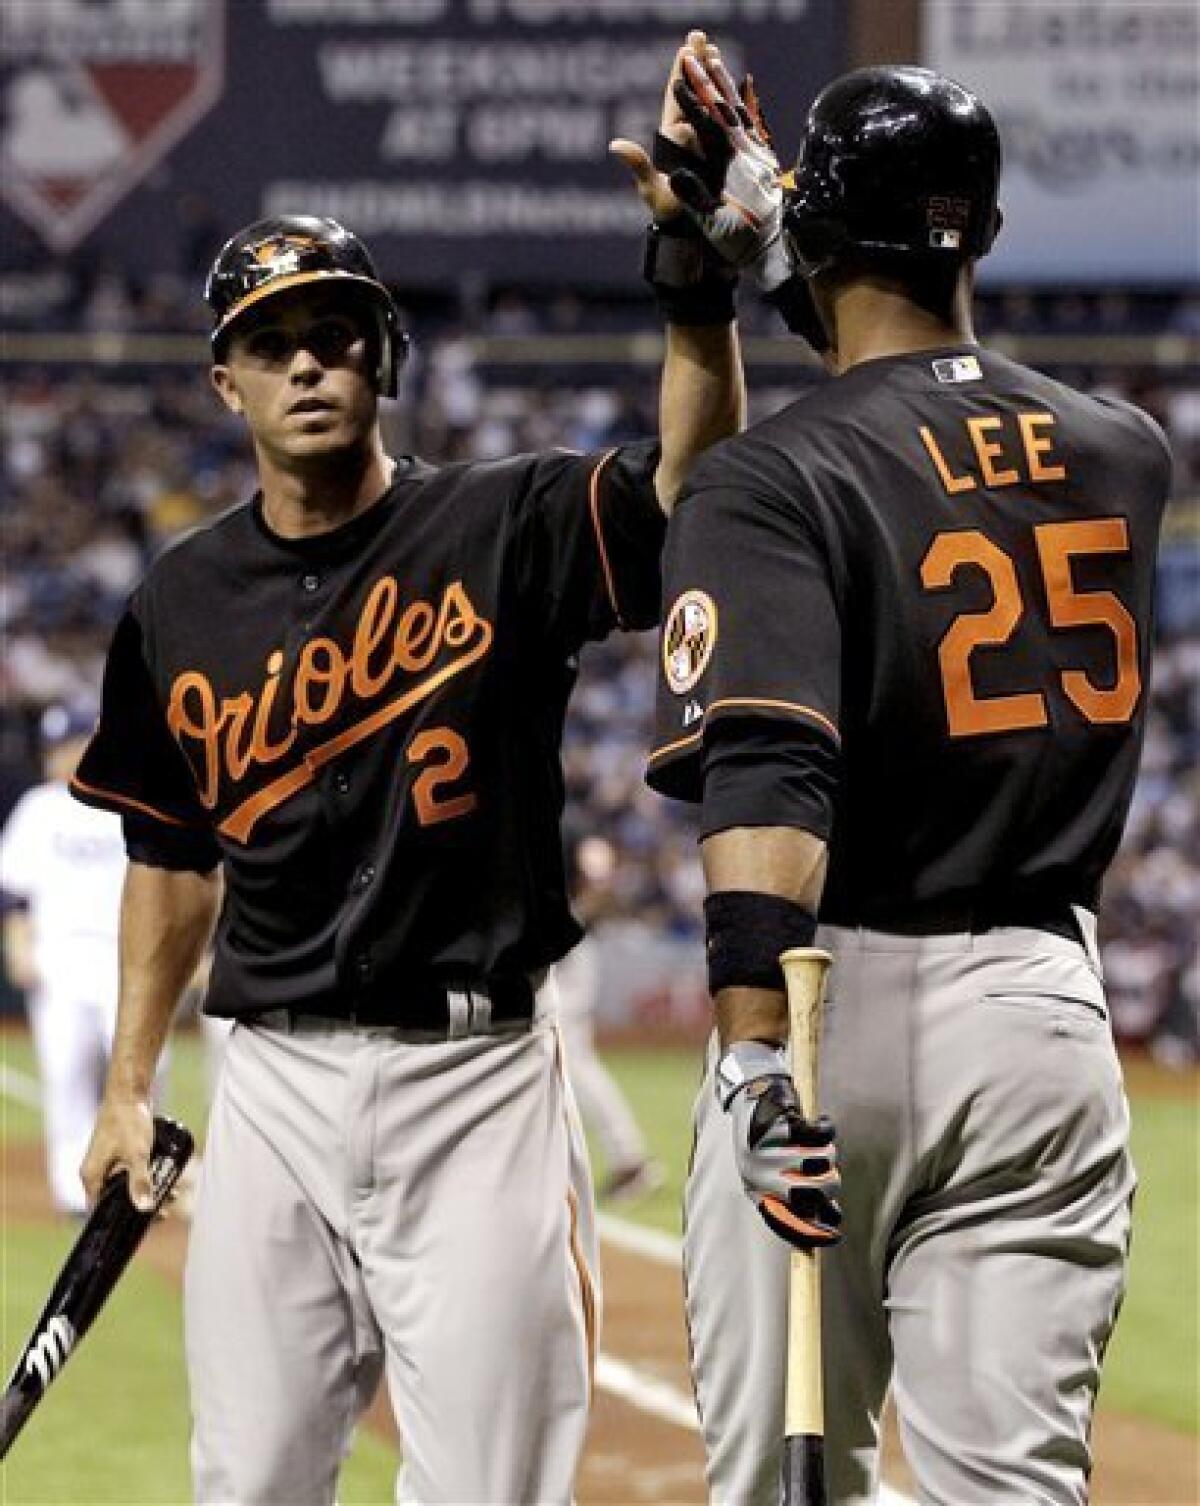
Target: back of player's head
[[275, 255], [898, 167]]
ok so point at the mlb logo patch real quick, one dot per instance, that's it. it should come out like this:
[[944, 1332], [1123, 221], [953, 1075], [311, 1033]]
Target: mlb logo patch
[[958, 369], [945, 240]]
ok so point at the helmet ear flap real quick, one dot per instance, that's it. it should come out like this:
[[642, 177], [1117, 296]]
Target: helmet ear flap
[[394, 345]]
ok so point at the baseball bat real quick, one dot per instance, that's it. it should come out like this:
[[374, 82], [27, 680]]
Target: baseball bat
[[804, 970], [106, 1243]]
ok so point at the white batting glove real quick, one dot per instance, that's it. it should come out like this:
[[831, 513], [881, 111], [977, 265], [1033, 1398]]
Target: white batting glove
[[743, 222], [788, 1164]]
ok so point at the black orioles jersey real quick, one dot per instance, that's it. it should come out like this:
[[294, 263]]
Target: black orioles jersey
[[912, 613], [364, 726]]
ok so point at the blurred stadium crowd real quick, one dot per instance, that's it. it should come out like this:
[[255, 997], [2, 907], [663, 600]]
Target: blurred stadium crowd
[[104, 462]]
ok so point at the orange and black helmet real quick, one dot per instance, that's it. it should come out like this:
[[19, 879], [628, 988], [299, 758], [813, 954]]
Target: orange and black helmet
[[271, 256]]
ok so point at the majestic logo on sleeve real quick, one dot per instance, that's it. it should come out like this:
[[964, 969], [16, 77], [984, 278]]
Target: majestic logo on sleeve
[[398, 657], [689, 638]]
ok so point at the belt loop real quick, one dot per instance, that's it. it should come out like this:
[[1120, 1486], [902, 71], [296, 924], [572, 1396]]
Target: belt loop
[[458, 1014], [1085, 919], [480, 1007]]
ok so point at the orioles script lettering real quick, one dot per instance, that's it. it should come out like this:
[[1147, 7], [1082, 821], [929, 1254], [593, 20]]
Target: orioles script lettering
[[398, 655]]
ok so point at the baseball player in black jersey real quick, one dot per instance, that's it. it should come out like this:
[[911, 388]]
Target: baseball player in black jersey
[[904, 671], [342, 703]]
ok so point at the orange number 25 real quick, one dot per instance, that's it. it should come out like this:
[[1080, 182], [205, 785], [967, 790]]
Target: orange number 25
[[969, 714]]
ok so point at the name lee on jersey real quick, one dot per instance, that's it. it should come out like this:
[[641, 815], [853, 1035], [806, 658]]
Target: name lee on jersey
[[999, 452]]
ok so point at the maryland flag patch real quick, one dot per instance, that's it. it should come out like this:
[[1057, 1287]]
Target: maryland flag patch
[[689, 637]]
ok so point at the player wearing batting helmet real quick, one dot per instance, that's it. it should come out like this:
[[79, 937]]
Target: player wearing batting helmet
[[345, 697], [906, 648]]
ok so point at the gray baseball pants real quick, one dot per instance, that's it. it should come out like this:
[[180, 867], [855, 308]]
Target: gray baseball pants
[[983, 1132], [369, 1204]]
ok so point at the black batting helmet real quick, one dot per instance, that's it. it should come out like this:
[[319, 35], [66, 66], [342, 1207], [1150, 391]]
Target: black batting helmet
[[894, 161], [288, 251]]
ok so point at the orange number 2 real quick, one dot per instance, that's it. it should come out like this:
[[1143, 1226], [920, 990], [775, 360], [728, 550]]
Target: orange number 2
[[446, 757], [969, 714]]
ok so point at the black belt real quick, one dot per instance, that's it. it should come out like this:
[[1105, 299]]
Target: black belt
[[427, 1010], [949, 917]]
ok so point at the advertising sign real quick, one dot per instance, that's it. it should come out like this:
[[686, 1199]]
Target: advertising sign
[[456, 136], [1098, 103]]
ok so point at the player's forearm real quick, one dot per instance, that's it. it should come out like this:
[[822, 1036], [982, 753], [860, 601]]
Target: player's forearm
[[702, 399], [778, 860], [18, 949], [166, 921]]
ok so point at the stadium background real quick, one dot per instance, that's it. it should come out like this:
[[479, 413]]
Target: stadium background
[[465, 140]]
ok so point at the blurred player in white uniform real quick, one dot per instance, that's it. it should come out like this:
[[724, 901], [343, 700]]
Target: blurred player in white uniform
[[62, 865], [631, 1172]]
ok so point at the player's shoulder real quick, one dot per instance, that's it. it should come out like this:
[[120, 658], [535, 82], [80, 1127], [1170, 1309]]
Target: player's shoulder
[[1119, 434], [207, 543], [772, 459]]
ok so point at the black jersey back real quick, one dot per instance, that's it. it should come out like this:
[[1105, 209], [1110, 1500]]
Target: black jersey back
[[921, 598], [364, 725]]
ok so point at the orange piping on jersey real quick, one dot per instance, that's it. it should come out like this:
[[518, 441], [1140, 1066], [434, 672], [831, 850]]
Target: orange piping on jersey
[[594, 508], [241, 821], [126, 800], [669, 748], [950, 481], [738, 703], [586, 1289]]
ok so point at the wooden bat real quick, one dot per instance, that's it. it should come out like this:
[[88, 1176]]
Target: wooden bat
[[804, 970], [105, 1246]]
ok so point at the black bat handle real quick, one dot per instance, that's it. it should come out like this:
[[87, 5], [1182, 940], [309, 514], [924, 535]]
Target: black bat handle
[[804, 1470], [106, 1243]]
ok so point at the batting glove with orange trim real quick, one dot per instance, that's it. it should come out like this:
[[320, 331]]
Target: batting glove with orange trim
[[742, 218], [788, 1164]]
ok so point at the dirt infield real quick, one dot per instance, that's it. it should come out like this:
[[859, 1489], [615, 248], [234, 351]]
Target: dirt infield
[[634, 1457]]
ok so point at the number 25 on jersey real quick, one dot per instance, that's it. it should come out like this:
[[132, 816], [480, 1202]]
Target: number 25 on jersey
[[969, 714]]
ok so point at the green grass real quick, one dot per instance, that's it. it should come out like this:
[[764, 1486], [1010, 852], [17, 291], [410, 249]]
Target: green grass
[[1154, 1361], [115, 1428], [661, 1086]]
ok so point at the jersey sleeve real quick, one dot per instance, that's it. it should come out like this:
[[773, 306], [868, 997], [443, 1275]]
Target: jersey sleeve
[[591, 545], [133, 765], [749, 665]]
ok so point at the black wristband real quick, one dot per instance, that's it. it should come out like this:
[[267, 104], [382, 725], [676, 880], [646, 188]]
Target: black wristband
[[746, 932], [691, 283]]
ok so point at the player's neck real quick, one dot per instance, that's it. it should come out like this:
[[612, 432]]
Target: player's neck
[[875, 320], [320, 494]]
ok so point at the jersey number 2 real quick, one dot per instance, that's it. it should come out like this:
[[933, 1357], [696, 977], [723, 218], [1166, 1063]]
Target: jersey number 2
[[969, 714], [445, 756]]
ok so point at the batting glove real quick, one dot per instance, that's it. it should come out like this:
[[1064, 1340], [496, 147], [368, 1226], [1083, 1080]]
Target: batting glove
[[788, 1164], [741, 217]]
